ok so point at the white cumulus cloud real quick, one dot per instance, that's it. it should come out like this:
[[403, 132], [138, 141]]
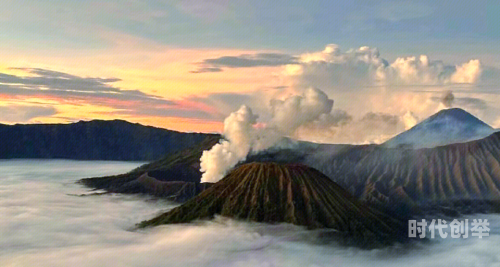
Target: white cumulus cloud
[[365, 66]]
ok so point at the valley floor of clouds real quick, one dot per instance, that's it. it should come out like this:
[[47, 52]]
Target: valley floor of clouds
[[45, 223]]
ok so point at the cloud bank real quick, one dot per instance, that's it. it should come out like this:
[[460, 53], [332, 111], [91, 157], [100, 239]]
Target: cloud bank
[[376, 98], [363, 82], [44, 225], [364, 66]]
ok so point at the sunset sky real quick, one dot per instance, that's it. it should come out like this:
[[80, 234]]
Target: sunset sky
[[185, 65]]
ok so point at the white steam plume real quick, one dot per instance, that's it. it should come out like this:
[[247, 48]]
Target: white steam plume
[[242, 137]]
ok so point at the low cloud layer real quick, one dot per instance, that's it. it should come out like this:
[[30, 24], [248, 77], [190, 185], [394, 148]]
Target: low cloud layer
[[44, 224]]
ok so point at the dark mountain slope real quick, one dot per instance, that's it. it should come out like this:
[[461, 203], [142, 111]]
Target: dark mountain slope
[[464, 176], [92, 140], [154, 178], [297, 194], [448, 126], [457, 172]]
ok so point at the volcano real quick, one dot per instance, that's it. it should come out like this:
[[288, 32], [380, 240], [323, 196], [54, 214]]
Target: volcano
[[448, 126], [291, 193]]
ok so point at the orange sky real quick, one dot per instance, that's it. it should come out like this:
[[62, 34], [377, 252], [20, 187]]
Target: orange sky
[[142, 65]]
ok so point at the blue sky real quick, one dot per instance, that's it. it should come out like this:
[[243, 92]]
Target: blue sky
[[289, 25]]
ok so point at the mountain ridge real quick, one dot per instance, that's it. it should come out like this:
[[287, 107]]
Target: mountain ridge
[[93, 140]]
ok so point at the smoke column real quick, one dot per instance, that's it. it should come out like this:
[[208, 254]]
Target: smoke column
[[241, 137], [447, 99]]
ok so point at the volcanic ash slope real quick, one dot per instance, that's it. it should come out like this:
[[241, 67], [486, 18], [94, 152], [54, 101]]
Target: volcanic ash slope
[[292, 193]]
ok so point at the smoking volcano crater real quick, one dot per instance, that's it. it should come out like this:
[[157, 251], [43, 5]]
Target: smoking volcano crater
[[288, 193]]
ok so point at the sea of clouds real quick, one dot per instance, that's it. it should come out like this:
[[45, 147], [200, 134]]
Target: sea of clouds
[[45, 223]]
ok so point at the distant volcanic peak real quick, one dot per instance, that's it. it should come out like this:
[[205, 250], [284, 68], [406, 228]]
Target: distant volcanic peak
[[457, 115], [453, 112], [292, 193], [448, 126]]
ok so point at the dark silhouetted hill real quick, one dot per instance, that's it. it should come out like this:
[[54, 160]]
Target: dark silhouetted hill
[[93, 140]]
